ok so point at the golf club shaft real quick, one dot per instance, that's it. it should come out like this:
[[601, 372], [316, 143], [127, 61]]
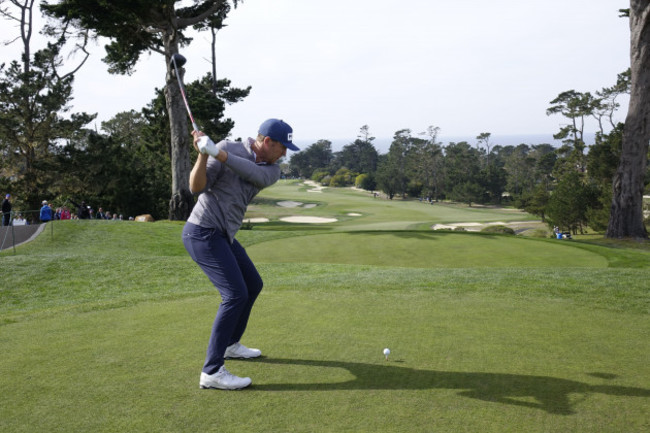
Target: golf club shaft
[[182, 89]]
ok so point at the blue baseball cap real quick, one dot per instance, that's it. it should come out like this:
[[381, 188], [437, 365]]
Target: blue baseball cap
[[278, 130]]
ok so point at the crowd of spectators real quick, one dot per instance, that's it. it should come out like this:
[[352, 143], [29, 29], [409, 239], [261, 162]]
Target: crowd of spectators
[[47, 213]]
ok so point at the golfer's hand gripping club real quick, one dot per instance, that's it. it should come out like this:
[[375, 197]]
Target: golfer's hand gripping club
[[207, 146]]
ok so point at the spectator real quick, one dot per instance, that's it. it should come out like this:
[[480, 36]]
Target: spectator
[[6, 210], [46, 212], [83, 210], [65, 213], [20, 221], [100, 214]]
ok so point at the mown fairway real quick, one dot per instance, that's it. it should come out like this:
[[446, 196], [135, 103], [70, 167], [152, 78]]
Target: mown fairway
[[103, 327]]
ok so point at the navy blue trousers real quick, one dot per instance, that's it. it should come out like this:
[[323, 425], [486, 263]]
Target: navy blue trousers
[[234, 275]]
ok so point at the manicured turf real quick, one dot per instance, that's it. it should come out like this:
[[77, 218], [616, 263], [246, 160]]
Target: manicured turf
[[425, 250], [104, 325]]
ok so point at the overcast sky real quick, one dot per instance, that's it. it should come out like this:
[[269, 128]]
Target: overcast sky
[[330, 67]]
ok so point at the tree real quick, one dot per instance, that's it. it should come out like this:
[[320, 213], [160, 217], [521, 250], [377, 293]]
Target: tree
[[388, 179], [484, 139], [536, 202], [545, 159], [493, 180], [391, 168], [364, 134], [568, 204], [316, 156], [626, 216], [366, 181], [35, 95], [391, 171], [462, 170], [518, 166], [360, 156], [575, 106], [119, 169], [136, 27], [429, 170], [608, 104], [144, 185]]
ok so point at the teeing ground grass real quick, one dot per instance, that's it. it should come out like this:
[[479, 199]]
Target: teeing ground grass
[[104, 325]]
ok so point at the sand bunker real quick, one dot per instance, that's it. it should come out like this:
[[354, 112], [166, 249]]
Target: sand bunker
[[256, 220], [308, 219], [289, 203], [470, 227], [353, 214], [474, 227]]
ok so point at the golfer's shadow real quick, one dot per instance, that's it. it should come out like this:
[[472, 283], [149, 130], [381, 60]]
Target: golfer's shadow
[[550, 394]]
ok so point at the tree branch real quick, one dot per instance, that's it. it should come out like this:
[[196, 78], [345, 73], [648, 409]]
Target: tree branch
[[215, 6]]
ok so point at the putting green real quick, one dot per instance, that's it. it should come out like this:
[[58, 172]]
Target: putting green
[[424, 250]]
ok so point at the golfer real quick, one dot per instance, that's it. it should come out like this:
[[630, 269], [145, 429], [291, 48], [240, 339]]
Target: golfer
[[227, 182]]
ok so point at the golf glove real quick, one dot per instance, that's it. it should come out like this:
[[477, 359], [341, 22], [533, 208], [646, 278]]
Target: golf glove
[[207, 146]]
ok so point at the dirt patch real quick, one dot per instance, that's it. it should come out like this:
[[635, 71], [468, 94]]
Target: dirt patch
[[315, 186]]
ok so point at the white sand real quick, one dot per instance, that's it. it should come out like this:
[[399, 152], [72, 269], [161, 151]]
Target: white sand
[[256, 220], [354, 214], [475, 227], [471, 227], [308, 219], [289, 203]]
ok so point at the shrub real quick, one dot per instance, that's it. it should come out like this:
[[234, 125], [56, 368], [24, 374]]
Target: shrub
[[338, 180], [318, 175], [498, 229], [540, 233], [326, 180], [366, 181]]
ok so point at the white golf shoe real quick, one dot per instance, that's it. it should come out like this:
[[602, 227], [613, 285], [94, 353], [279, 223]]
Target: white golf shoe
[[223, 379], [238, 350]]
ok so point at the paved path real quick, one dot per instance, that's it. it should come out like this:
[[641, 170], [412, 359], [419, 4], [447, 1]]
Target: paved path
[[18, 235]]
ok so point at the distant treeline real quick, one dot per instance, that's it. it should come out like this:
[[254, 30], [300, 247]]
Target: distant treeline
[[568, 186]]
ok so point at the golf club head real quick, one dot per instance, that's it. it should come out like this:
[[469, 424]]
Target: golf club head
[[178, 60]]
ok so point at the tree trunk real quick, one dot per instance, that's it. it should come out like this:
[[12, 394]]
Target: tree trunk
[[182, 200], [626, 216]]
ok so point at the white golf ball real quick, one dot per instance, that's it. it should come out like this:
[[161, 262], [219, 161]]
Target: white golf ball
[[387, 351]]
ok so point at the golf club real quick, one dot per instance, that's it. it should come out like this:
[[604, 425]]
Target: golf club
[[178, 60]]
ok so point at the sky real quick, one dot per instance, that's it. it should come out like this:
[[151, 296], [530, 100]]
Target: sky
[[330, 67]]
